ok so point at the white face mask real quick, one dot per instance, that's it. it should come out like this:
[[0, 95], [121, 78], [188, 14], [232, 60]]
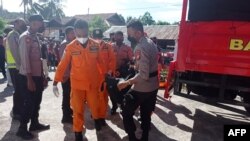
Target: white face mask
[[82, 40]]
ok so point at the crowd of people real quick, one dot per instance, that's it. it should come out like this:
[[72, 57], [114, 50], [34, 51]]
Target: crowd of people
[[30, 56]]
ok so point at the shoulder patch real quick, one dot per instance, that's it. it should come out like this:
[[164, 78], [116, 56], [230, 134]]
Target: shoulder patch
[[93, 48], [75, 53]]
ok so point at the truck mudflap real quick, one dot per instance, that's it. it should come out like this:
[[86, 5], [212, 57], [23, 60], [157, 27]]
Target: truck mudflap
[[169, 81]]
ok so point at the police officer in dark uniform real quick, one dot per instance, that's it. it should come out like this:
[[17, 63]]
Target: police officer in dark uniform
[[32, 77], [144, 84]]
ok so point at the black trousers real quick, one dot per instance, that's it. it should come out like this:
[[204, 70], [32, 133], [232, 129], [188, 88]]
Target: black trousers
[[67, 111], [17, 97], [2, 67], [114, 103], [32, 100], [147, 102]]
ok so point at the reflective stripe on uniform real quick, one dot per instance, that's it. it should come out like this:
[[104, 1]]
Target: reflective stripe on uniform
[[11, 63]]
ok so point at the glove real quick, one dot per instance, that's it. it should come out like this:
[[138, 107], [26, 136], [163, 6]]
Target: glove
[[56, 91]]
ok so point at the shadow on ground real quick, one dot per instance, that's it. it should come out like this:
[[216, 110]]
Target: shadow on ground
[[6, 92], [210, 127]]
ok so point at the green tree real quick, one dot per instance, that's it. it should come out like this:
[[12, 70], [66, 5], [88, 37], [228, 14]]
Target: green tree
[[49, 9], [162, 23], [147, 19], [129, 18], [175, 23], [27, 4], [2, 25], [97, 22]]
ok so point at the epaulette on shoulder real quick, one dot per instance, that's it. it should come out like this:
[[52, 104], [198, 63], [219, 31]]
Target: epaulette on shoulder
[[27, 38]]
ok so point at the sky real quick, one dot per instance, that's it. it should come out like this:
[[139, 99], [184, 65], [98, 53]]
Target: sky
[[164, 10]]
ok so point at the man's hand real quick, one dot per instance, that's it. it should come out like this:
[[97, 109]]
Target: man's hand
[[31, 85], [123, 84], [55, 91]]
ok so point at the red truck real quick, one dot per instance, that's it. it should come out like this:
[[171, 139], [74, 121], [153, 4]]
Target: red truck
[[213, 57]]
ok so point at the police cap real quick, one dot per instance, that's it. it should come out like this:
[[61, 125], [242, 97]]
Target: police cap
[[97, 33], [36, 18]]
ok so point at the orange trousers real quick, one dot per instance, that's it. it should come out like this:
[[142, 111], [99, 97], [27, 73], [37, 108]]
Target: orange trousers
[[102, 104], [77, 102]]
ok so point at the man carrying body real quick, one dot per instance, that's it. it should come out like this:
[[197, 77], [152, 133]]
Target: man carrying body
[[124, 55], [144, 84]]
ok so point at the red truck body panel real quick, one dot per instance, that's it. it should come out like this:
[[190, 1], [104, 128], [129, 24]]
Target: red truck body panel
[[221, 47]]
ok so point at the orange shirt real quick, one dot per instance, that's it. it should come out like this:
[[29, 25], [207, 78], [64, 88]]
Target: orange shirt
[[85, 65], [123, 53], [108, 56]]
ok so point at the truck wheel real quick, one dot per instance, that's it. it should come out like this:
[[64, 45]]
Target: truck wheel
[[246, 99]]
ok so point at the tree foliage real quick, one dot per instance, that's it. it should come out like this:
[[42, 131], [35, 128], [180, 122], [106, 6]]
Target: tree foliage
[[27, 4], [2, 25], [10, 15], [129, 18], [97, 22], [162, 23], [147, 19], [175, 23], [49, 9]]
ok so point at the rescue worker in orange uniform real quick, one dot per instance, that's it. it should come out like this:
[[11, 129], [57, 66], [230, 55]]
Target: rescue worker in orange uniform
[[83, 54], [124, 55], [108, 56]]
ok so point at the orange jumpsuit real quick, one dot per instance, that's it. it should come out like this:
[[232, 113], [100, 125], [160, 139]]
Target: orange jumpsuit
[[123, 53], [86, 64], [108, 56]]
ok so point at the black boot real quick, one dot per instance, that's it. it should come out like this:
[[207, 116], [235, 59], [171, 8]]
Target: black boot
[[24, 133], [132, 137], [35, 126], [102, 122], [97, 125], [78, 136], [67, 120]]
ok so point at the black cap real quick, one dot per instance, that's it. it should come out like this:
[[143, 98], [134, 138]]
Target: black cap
[[119, 33], [81, 24], [97, 33], [35, 18]]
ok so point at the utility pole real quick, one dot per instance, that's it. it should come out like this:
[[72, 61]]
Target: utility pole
[[88, 16], [1, 12]]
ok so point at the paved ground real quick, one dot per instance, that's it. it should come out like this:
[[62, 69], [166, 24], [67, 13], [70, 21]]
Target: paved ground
[[181, 119]]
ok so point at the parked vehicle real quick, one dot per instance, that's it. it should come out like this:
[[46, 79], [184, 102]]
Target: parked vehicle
[[213, 58]]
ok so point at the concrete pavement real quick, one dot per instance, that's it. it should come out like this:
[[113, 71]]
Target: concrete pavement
[[180, 119]]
